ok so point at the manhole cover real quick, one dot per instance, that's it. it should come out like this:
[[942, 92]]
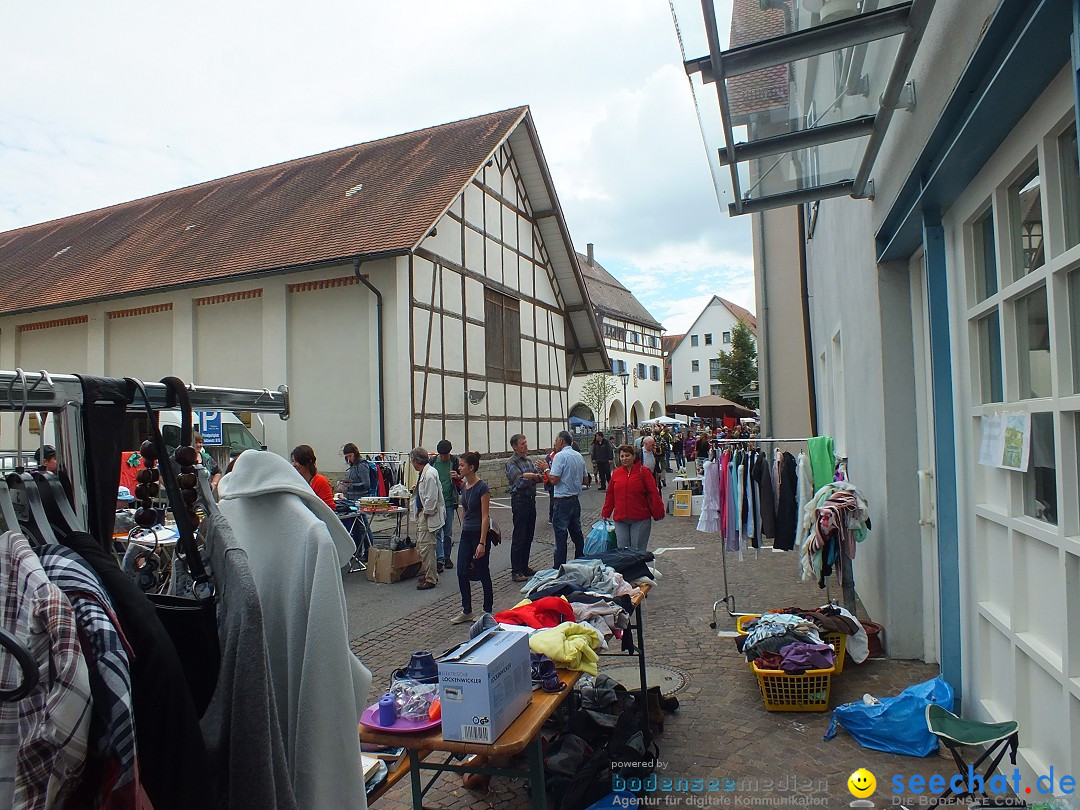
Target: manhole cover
[[669, 679]]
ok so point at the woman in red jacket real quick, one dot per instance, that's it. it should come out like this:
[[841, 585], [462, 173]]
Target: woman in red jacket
[[632, 501]]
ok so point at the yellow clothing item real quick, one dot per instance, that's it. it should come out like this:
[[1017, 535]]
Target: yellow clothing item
[[570, 645]]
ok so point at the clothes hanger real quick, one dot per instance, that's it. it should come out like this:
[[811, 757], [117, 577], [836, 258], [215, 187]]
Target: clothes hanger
[[26, 662], [52, 492], [24, 491]]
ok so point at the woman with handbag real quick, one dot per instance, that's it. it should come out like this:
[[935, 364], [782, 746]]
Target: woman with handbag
[[472, 562], [633, 501]]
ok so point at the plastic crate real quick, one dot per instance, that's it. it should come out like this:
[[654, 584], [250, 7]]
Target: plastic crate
[[781, 692], [838, 640]]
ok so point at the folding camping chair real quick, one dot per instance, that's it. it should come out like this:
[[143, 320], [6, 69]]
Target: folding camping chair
[[956, 733]]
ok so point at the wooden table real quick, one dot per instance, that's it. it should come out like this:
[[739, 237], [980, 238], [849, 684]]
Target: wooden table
[[523, 733]]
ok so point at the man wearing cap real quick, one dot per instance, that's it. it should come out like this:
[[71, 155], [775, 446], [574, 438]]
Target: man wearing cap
[[124, 498], [447, 467], [430, 516], [45, 457]]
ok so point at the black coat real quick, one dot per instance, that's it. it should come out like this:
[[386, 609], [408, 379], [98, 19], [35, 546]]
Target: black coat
[[787, 511], [763, 475], [602, 451]]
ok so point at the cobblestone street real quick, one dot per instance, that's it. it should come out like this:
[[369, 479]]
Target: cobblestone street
[[721, 729]]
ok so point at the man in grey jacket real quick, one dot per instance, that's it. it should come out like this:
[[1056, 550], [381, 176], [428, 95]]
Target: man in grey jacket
[[430, 517]]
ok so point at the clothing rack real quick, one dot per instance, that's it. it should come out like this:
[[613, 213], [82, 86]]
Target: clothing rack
[[62, 395], [729, 598]]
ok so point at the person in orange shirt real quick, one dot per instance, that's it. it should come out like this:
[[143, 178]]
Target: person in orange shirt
[[303, 460]]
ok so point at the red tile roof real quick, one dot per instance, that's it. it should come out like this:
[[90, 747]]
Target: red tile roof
[[743, 314], [764, 89], [668, 344], [373, 198]]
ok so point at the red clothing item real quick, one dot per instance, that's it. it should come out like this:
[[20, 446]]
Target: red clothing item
[[323, 489], [551, 611], [632, 495]]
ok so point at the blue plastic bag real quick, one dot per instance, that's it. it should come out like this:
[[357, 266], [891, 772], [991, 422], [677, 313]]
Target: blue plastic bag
[[898, 724], [597, 540]]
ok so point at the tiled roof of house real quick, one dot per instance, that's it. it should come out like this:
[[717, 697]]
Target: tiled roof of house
[[747, 317], [668, 344], [763, 89], [611, 297], [380, 197]]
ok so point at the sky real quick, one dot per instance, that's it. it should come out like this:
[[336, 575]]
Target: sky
[[107, 102]]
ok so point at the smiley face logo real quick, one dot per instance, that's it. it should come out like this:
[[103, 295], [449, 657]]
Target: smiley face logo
[[862, 783]]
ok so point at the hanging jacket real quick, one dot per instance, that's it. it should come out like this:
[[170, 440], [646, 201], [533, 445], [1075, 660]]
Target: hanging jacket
[[763, 475], [787, 513], [171, 746], [633, 495], [296, 546]]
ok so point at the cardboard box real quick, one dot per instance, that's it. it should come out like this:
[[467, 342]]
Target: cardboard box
[[484, 684], [696, 504], [386, 566]]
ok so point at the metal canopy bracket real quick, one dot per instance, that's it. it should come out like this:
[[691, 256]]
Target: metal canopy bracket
[[811, 168]]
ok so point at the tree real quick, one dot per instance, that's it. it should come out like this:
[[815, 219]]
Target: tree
[[597, 392], [738, 368]]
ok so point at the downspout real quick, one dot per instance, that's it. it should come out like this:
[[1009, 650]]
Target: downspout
[[378, 348], [808, 341], [767, 409]]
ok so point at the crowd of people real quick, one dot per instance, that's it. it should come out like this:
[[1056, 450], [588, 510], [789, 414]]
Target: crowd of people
[[632, 475]]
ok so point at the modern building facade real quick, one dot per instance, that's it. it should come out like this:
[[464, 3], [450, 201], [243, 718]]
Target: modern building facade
[[632, 338], [945, 325], [408, 289], [695, 358]]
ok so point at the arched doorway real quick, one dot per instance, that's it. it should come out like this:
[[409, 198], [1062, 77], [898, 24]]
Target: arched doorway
[[656, 410], [583, 411], [616, 416], [637, 414]]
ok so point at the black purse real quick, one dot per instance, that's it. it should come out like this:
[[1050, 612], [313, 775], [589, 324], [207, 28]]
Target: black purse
[[191, 622]]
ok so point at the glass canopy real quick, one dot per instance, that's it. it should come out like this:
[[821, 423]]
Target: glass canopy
[[806, 91]]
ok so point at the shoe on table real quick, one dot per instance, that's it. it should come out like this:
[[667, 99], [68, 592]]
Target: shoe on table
[[448, 564], [462, 618], [520, 577], [425, 585]]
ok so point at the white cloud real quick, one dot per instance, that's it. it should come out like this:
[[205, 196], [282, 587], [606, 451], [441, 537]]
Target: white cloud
[[122, 100]]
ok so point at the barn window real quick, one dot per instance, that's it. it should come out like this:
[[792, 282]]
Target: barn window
[[502, 333]]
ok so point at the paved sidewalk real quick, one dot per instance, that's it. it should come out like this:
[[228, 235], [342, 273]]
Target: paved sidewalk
[[721, 730]]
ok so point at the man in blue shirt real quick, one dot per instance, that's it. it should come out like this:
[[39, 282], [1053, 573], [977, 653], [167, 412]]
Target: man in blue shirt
[[567, 474]]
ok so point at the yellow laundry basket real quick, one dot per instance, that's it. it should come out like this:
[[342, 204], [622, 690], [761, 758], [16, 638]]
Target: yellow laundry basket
[[838, 640], [781, 692]]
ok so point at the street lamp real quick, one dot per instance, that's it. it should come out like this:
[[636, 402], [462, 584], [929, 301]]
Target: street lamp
[[686, 395], [625, 377]]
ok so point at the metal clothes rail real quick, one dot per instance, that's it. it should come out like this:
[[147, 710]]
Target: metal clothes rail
[[729, 598], [61, 395]]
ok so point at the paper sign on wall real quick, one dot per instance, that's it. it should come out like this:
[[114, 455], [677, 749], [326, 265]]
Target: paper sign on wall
[[1005, 441]]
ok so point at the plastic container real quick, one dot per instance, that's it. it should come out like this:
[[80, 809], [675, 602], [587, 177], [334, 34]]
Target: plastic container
[[838, 640], [781, 692]]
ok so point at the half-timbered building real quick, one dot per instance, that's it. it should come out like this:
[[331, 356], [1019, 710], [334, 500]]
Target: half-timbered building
[[407, 289]]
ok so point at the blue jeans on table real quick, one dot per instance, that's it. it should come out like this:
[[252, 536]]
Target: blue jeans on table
[[444, 538], [566, 519]]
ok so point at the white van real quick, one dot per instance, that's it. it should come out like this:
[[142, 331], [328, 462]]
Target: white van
[[235, 437]]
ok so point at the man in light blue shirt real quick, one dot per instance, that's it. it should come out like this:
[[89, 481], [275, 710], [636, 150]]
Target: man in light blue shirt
[[567, 473]]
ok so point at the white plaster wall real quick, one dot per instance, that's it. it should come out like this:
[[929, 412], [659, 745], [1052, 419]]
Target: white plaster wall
[[137, 344], [715, 319], [869, 307], [937, 68], [228, 340]]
